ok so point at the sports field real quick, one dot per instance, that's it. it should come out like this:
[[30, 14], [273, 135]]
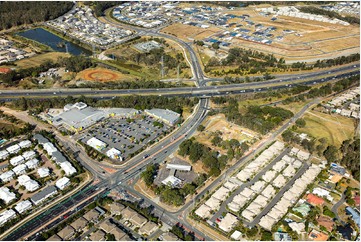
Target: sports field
[[101, 75]]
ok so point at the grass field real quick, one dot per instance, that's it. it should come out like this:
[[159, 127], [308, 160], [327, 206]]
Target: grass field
[[39, 59], [228, 130], [334, 128], [102, 75]]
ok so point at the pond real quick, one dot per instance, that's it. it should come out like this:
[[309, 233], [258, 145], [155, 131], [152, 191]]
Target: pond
[[55, 42]]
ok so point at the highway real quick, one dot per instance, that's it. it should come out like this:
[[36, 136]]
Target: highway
[[161, 150]]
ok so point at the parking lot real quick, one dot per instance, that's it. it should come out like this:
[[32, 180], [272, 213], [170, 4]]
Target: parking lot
[[126, 135]]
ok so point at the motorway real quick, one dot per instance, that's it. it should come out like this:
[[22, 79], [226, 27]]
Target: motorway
[[161, 150]]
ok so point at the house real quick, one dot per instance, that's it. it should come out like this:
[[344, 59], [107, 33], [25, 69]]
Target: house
[[116, 208], [43, 172], [228, 222], [29, 184], [3, 154], [6, 216], [92, 215], [314, 200], [17, 160], [32, 164], [138, 220], [107, 226], [6, 195], [79, 224], [297, 227], [148, 228], [13, 149], [66, 233], [50, 148], [29, 155], [23, 206], [168, 236], [325, 222], [68, 168], [317, 236], [279, 236], [43, 195], [62, 183], [24, 144], [7, 176], [20, 169], [355, 215], [120, 235], [97, 236], [55, 237]]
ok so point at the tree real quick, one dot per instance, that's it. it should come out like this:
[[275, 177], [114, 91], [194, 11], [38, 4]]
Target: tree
[[215, 46], [149, 174], [301, 122], [331, 153], [266, 236], [201, 128], [110, 237]]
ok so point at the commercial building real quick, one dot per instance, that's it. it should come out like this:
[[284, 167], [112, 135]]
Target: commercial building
[[78, 117], [114, 154], [62, 183], [43, 195], [167, 116], [6, 216], [6, 195], [96, 144], [179, 167], [172, 181], [23, 206]]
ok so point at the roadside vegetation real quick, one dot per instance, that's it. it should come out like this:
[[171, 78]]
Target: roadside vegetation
[[242, 62], [11, 126]]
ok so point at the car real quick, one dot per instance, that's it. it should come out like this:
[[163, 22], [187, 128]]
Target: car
[[165, 152]]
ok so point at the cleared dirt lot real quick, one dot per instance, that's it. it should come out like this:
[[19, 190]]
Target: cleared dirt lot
[[187, 32]]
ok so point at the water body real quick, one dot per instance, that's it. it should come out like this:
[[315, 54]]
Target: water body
[[45, 37]]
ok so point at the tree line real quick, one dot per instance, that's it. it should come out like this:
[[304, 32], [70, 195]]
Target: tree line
[[260, 119], [324, 90], [13, 14], [252, 62], [176, 104], [330, 14]]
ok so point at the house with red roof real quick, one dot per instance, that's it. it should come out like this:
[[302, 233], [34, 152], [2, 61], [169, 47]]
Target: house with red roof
[[314, 200]]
